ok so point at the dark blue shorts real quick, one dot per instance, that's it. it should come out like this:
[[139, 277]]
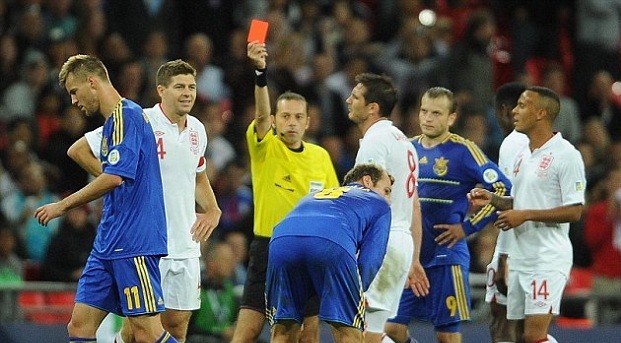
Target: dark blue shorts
[[127, 287], [448, 301], [299, 268]]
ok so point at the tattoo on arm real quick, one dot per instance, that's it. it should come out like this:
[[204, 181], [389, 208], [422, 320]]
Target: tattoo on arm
[[502, 203]]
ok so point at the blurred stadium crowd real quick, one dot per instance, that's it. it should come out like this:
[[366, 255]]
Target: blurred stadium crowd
[[317, 47]]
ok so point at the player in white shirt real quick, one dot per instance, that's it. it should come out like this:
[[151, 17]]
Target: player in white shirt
[[547, 194], [370, 103], [501, 329], [181, 142]]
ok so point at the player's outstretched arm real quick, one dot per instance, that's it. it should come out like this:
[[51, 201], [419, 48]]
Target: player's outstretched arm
[[481, 197], [98, 187], [257, 53]]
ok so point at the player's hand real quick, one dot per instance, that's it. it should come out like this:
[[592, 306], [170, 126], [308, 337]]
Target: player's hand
[[257, 53], [453, 233], [500, 278], [417, 280], [479, 197], [509, 219], [205, 224], [48, 212]]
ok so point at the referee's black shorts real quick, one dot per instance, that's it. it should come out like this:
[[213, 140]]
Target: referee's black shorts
[[253, 297]]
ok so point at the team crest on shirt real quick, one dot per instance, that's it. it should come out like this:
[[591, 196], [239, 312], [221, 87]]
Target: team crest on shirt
[[544, 164], [194, 142], [159, 133], [441, 166], [114, 157], [104, 146]]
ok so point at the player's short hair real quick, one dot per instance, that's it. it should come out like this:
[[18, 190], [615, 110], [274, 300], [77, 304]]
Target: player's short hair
[[508, 94], [438, 92], [289, 95], [81, 66], [549, 100], [379, 89], [370, 169], [169, 69]]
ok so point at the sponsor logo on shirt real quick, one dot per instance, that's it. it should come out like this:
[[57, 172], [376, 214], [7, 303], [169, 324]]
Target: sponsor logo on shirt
[[423, 160]]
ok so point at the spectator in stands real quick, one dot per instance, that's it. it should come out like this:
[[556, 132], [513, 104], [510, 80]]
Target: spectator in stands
[[10, 273], [603, 235], [239, 243], [18, 209], [568, 120], [69, 247], [214, 322], [603, 103]]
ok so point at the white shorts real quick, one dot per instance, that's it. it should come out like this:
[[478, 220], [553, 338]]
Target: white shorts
[[385, 290], [181, 283], [491, 291], [532, 293]]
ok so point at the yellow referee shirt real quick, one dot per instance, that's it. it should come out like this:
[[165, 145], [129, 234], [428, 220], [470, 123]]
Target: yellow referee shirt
[[281, 177]]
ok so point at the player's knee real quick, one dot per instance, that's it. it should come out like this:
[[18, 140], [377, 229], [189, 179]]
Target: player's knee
[[396, 332], [80, 328]]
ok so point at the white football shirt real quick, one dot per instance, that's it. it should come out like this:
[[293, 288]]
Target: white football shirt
[[181, 156], [387, 146], [548, 177], [510, 148]]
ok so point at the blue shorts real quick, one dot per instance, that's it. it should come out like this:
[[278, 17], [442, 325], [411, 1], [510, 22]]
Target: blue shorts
[[300, 267], [127, 287], [448, 301]]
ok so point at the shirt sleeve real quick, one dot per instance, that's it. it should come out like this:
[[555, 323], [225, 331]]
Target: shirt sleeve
[[93, 138]]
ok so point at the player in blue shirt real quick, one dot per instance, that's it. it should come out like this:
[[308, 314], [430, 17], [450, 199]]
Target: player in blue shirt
[[449, 166], [122, 274], [331, 244]]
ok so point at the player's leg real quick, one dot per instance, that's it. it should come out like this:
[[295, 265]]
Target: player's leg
[[536, 328], [397, 332], [376, 322], [125, 335], [310, 329], [385, 291], [345, 334], [251, 317], [84, 323], [410, 307], [288, 284], [342, 296], [450, 301], [140, 296], [285, 331], [501, 329], [541, 298], [181, 286], [176, 322], [95, 297]]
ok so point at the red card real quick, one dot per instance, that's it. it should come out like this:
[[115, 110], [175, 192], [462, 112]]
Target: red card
[[258, 31]]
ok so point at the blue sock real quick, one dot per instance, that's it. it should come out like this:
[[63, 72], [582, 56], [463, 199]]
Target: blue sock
[[82, 340], [166, 338]]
